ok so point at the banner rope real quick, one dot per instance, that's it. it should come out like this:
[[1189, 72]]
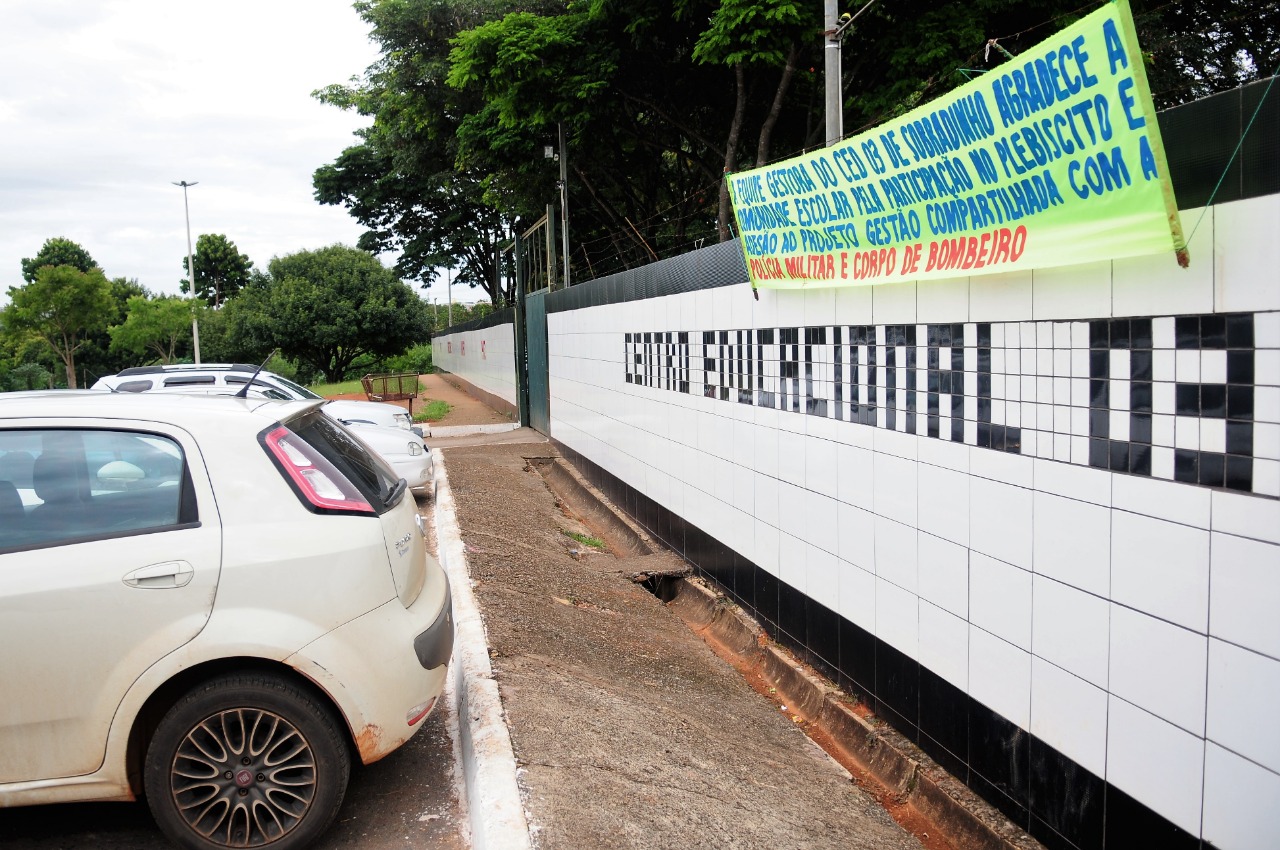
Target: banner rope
[[1234, 154]]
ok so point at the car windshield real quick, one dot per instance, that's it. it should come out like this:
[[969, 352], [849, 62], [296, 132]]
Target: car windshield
[[301, 391], [371, 475]]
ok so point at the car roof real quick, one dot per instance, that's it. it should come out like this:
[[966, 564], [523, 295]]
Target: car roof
[[176, 408]]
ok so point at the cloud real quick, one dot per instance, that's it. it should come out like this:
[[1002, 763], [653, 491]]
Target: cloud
[[104, 105]]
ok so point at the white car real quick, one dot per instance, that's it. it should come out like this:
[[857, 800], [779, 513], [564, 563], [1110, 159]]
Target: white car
[[408, 455], [215, 602], [235, 375]]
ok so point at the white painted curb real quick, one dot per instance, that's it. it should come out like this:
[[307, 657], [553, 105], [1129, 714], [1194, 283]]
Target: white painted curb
[[494, 808], [468, 430]]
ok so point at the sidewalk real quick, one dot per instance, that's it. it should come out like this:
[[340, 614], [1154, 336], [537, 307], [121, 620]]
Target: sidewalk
[[627, 730]]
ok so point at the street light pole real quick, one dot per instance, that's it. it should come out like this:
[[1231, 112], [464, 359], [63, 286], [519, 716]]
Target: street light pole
[[449, 277], [564, 202], [191, 265]]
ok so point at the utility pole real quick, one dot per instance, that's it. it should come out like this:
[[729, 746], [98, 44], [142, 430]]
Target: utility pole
[[449, 277], [564, 202], [831, 73], [191, 266]]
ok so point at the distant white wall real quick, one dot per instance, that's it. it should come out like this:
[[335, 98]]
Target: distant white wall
[[1129, 620], [485, 358]]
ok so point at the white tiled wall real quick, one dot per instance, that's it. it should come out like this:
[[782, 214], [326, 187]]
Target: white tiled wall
[[485, 358], [1131, 623]]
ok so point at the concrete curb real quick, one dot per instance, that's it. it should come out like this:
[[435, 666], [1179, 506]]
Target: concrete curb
[[469, 430], [494, 808], [969, 821]]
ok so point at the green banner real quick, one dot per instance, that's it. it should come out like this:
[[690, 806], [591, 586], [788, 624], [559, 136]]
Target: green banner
[[1051, 159]]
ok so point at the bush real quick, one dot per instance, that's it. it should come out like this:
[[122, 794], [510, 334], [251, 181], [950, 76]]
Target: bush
[[416, 360], [28, 376]]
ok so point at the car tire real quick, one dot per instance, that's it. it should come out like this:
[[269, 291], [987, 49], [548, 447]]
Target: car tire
[[244, 761]]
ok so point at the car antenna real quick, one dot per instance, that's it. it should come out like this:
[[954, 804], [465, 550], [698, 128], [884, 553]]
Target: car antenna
[[244, 391]]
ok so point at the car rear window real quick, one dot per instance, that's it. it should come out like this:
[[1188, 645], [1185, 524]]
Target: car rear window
[[370, 474]]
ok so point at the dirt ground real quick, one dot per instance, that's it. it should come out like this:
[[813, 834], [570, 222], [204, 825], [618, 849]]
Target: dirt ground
[[628, 730]]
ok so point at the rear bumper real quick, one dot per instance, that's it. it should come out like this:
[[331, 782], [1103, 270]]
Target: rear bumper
[[373, 669], [435, 645]]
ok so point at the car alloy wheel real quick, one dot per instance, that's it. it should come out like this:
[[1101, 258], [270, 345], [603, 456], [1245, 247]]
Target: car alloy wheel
[[246, 762]]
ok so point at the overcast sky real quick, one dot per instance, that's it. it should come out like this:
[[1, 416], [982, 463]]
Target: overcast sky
[[105, 103]]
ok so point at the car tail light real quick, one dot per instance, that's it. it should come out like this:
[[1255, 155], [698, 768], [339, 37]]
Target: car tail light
[[419, 711], [316, 479]]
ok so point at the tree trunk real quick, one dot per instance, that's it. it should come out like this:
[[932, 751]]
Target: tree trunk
[[731, 153], [69, 360], [766, 129]]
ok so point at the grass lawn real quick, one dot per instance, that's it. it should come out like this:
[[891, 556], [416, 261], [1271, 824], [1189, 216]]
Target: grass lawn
[[343, 388], [432, 411]]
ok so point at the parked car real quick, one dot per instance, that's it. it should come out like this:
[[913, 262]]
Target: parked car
[[406, 452], [235, 375], [408, 455], [215, 602]]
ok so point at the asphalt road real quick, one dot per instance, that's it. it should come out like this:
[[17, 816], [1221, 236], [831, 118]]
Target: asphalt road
[[410, 799]]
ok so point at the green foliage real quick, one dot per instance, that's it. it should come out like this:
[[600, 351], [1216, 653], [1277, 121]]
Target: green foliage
[[433, 410], [28, 376], [416, 360], [660, 98], [327, 308], [221, 270], [156, 325], [59, 308], [585, 539], [57, 252]]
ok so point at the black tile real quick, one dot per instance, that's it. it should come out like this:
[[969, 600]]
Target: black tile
[[1100, 364], [989, 791], [1139, 459], [1240, 330], [1099, 453], [1186, 465], [1240, 403], [984, 334], [984, 435], [1240, 438], [1239, 473], [1140, 365], [744, 581], [1213, 331], [767, 586], [1099, 334], [1099, 395], [1213, 400], [1013, 440], [1066, 797], [1099, 423], [1119, 333], [1213, 469], [791, 615], [822, 635], [898, 686], [1187, 331], [950, 762], [999, 752], [1239, 367], [1140, 397], [944, 714], [1140, 333], [1140, 428], [1119, 456], [1131, 824], [1187, 399], [857, 657], [1049, 837]]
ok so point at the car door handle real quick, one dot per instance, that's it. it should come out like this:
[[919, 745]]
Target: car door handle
[[167, 574]]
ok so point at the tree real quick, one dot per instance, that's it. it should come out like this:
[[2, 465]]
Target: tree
[[158, 324], [221, 270], [326, 308], [57, 252], [60, 307]]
